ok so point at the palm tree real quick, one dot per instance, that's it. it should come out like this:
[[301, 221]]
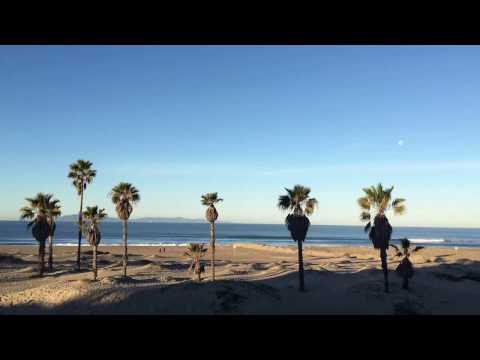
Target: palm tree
[[195, 252], [374, 204], [298, 202], [92, 232], [405, 268], [52, 210], [36, 212], [81, 173], [124, 195], [210, 199]]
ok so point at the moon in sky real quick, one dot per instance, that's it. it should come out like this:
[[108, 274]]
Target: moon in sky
[[400, 142]]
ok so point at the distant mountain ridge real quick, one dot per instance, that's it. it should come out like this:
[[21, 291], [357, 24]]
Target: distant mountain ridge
[[177, 219]]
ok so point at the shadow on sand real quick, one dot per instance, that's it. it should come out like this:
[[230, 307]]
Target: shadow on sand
[[439, 288]]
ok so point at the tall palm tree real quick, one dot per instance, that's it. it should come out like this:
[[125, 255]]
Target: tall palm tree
[[124, 195], [195, 253], [376, 202], [52, 210], [92, 232], [210, 199], [36, 212], [81, 173], [299, 204]]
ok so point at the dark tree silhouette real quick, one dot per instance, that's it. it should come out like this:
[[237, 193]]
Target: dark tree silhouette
[[124, 195], [195, 252], [375, 203], [211, 214], [92, 232], [298, 202], [405, 268], [81, 173]]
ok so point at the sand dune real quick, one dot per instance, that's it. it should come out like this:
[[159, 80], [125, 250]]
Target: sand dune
[[251, 279]]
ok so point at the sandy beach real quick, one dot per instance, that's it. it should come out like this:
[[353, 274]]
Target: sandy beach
[[251, 279]]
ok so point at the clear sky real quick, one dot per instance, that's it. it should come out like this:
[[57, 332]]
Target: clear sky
[[246, 121]]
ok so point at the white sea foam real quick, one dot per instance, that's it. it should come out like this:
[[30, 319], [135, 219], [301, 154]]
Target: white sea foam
[[426, 240]]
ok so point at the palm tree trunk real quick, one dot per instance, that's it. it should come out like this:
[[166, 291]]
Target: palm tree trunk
[[50, 253], [300, 265], [383, 257], [125, 250], [41, 257], [212, 244], [80, 229], [197, 270], [95, 263]]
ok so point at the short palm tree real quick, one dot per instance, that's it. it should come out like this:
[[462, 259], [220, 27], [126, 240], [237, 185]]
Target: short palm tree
[[405, 268], [195, 252], [124, 196], [299, 204], [210, 199], [92, 232], [81, 173], [52, 211], [376, 202], [36, 212]]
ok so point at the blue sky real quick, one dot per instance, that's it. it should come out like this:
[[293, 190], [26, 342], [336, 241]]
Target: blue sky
[[246, 121]]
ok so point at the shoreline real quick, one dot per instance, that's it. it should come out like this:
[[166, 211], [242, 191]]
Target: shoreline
[[239, 244]]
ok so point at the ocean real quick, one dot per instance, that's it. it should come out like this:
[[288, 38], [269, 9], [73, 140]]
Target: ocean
[[171, 234]]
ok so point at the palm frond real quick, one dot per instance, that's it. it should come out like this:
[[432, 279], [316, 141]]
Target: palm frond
[[26, 213], [399, 209], [365, 216], [210, 199], [395, 247], [81, 174], [367, 226], [397, 202], [377, 198], [298, 200], [301, 192], [284, 202], [310, 206], [364, 203], [125, 191]]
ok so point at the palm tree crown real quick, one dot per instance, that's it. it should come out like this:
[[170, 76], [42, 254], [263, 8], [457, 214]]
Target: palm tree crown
[[81, 173], [36, 211], [210, 199], [52, 206], [37, 208], [52, 211], [377, 201], [298, 201], [92, 232], [124, 195], [195, 251], [94, 214]]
